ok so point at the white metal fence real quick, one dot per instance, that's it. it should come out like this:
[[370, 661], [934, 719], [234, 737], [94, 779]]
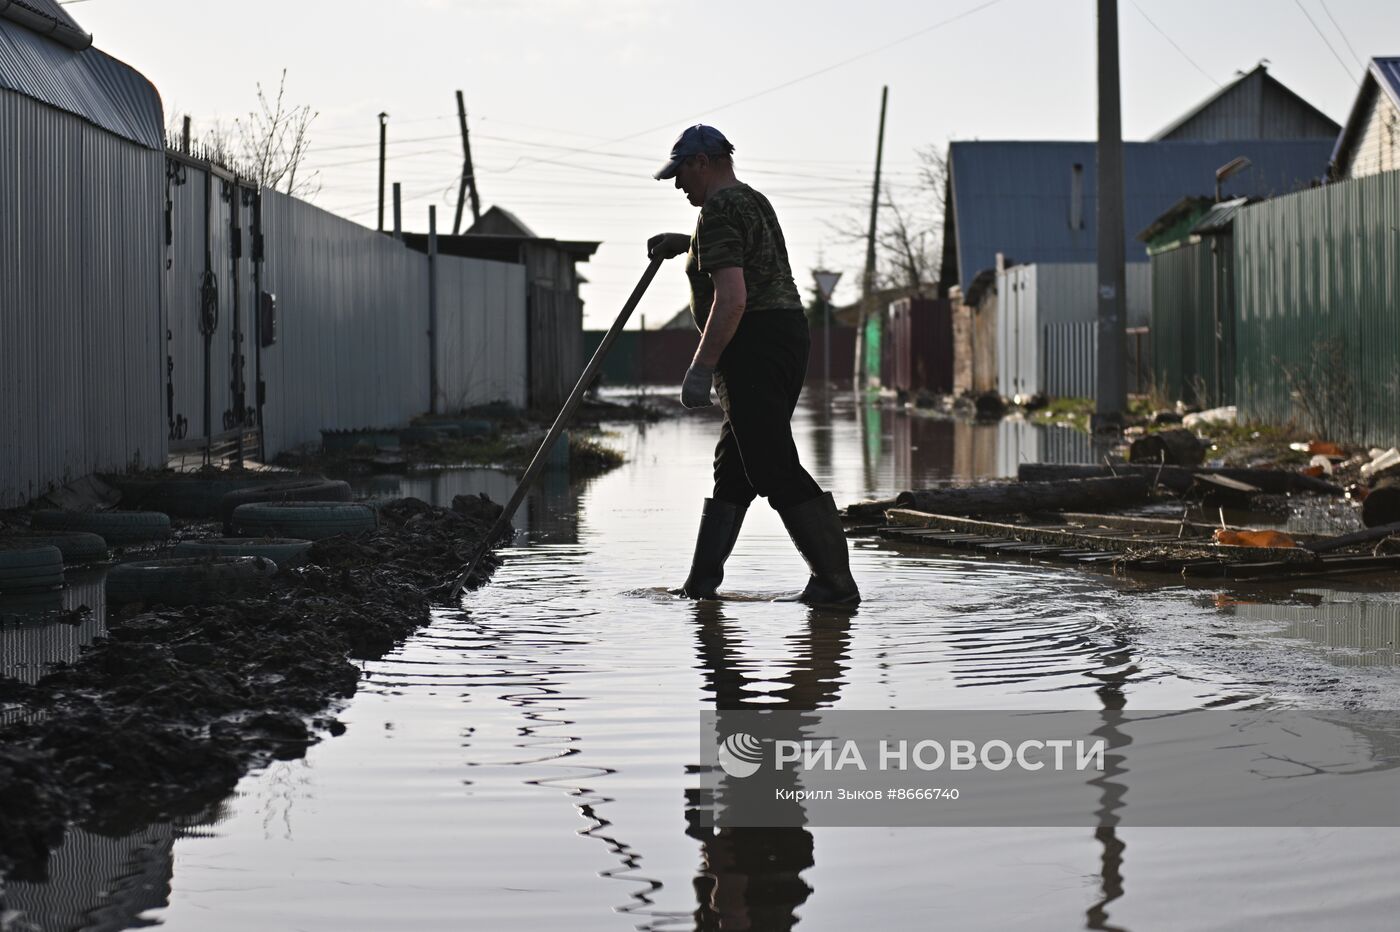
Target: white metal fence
[[482, 343], [352, 327], [1047, 332]]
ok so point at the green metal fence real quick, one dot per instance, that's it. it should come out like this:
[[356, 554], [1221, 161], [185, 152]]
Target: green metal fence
[[1319, 309], [1193, 321]]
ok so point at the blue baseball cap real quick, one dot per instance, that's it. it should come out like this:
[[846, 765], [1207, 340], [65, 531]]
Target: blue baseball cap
[[694, 140]]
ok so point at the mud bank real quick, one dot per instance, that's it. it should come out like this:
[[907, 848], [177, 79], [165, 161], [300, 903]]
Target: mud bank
[[164, 715]]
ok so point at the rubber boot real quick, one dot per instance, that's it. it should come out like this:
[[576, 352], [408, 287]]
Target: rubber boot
[[719, 529], [815, 528]]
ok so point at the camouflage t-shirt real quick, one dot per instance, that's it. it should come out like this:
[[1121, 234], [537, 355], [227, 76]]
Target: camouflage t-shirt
[[738, 229]]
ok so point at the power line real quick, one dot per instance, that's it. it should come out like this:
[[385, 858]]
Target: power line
[[1163, 34], [797, 80], [1343, 34], [1325, 41]]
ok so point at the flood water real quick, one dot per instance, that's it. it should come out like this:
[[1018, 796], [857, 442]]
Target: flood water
[[527, 762]]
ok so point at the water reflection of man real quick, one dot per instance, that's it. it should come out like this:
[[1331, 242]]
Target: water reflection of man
[[751, 877], [753, 350]]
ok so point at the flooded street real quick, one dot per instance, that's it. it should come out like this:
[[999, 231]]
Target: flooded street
[[527, 762]]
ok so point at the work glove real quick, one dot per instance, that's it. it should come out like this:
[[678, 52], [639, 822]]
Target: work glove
[[695, 390], [667, 245]]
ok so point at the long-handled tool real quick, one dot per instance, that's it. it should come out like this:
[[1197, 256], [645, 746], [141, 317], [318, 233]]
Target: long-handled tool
[[555, 429]]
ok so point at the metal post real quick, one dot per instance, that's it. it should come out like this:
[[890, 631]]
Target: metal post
[[1216, 397], [868, 285], [260, 387], [398, 210], [383, 140], [1110, 397], [432, 311], [826, 347]]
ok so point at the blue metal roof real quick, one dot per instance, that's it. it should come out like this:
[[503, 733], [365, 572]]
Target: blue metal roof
[[1387, 74], [89, 83], [1014, 197]]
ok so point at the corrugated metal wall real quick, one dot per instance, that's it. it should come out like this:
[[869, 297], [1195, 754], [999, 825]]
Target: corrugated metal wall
[[89, 291], [1069, 359], [1185, 355], [352, 308], [481, 340], [80, 300], [199, 199], [918, 346], [555, 326], [1018, 366], [352, 326], [1316, 274], [1047, 336]]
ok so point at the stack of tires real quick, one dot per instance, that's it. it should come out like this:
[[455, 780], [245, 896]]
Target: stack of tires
[[193, 495], [27, 567], [291, 490], [272, 523], [304, 520], [114, 527], [183, 581]]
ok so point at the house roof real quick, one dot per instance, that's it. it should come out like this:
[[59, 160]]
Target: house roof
[[85, 82], [1256, 105], [1220, 217], [1179, 217], [1382, 76], [498, 248], [1014, 197], [497, 221]]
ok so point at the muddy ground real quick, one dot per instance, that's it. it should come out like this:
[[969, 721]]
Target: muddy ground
[[162, 717]]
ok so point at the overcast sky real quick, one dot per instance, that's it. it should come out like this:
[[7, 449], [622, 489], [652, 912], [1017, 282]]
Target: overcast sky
[[574, 103]]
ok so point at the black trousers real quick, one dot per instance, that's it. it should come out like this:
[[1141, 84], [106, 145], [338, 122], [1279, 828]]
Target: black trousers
[[758, 379]]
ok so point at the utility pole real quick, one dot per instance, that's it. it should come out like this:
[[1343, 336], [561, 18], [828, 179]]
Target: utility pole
[[398, 210], [432, 311], [868, 284], [1111, 391], [468, 176], [185, 136], [383, 139]]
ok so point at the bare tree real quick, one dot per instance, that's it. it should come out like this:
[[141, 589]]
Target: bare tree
[[274, 140], [268, 146], [909, 236]]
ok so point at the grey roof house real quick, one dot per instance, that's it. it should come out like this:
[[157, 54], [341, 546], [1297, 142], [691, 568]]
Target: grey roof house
[[1253, 106]]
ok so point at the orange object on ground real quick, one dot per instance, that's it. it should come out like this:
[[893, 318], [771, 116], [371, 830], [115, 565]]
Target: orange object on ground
[[1254, 538], [1325, 447], [1313, 471]]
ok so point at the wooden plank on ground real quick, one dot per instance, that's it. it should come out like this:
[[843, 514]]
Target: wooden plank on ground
[[1086, 539]]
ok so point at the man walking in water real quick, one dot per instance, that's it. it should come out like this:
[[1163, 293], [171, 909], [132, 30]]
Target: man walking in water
[[753, 352]]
